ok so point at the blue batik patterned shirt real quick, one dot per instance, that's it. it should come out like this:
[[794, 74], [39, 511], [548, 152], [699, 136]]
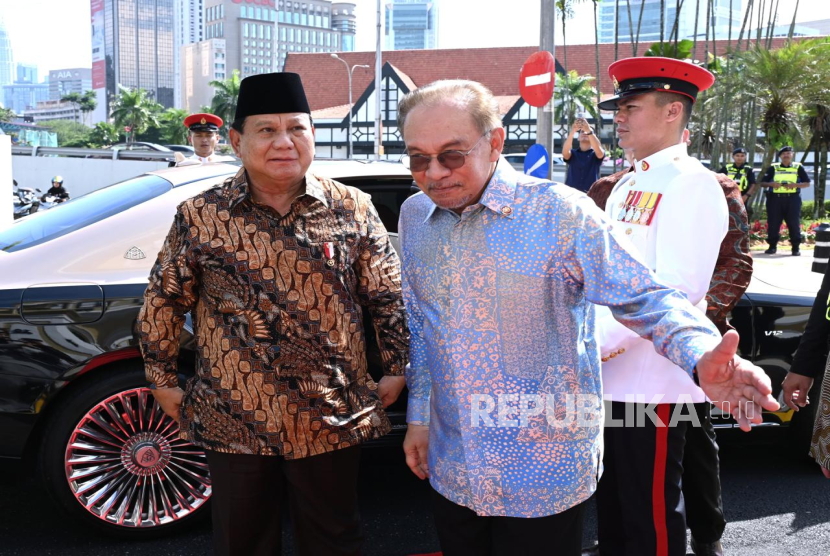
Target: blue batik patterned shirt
[[504, 365]]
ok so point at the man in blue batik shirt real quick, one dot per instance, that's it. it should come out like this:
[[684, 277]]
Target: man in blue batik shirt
[[500, 272]]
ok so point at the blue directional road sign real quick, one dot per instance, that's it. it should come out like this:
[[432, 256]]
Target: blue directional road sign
[[537, 162]]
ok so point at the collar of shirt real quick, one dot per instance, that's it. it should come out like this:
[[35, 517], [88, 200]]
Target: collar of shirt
[[661, 158], [500, 194], [240, 190]]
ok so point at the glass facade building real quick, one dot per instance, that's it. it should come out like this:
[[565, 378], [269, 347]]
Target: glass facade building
[[138, 48], [24, 96], [650, 23], [260, 34], [411, 25], [6, 59]]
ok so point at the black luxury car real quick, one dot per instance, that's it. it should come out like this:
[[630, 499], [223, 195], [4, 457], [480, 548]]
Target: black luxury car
[[72, 390]]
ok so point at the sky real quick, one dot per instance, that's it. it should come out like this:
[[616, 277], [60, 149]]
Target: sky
[[54, 34]]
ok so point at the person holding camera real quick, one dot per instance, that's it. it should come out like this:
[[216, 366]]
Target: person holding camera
[[584, 160]]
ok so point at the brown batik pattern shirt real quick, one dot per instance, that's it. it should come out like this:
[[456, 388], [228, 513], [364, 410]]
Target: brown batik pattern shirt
[[276, 303], [733, 269]]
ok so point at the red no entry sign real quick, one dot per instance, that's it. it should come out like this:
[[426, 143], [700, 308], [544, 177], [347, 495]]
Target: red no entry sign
[[537, 77]]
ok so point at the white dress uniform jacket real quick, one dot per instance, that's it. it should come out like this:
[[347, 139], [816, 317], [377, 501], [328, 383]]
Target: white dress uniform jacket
[[674, 214], [196, 159]]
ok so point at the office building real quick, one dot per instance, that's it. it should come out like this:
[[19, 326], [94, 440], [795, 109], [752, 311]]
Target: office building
[[411, 25], [132, 47], [72, 80], [6, 59], [202, 63], [26, 73], [48, 110], [820, 25], [259, 35], [23, 96], [189, 29], [649, 26]]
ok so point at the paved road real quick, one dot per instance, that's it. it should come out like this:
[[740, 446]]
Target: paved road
[[777, 505]]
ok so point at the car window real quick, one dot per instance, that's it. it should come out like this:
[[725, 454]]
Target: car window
[[387, 195], [81, 212]]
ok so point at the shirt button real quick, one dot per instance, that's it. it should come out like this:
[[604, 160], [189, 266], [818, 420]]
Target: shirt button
[[628, 231], [507, 211]]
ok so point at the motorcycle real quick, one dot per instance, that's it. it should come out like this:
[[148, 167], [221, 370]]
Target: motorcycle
[[49, 201], [25, 201]]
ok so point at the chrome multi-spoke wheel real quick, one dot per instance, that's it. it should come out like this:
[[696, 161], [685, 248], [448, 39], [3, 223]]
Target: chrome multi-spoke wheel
[[126, 465]]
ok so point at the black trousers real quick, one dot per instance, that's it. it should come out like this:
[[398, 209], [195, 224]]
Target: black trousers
[[701, 479], [784, 208], [248, 495], [639, 497], [463, 533]]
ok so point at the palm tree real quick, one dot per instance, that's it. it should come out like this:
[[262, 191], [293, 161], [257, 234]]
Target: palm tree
[[88, 103], [225, 97], [103, 135], [135, 110], [565, 8], [577, 94], [596, 54], [793, 77], [73, 98], [172, 126], [818, 122]]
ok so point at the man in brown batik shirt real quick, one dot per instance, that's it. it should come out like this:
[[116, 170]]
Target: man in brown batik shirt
[[276, 265]]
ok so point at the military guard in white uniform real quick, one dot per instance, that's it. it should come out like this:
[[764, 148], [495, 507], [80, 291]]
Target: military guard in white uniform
[[203, 136], [672, 210]]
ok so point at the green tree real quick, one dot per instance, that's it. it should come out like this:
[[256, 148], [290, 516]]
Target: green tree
[[791, 76], [818, 124], [103, 135], [172, 126], [88, 103], [7, 114], [224, 99], [70, 134], [566, 12], [85, 102], [134, 109], [75, 99], [577, 94]]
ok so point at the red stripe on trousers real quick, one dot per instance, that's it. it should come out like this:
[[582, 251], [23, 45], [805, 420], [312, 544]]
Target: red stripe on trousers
[[658, 487]]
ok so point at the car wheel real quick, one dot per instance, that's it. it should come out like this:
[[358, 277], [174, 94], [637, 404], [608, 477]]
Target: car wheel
[[113, 459]]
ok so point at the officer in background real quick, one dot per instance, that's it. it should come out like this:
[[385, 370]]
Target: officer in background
[[203, 136], [784, 180], [743, 175]]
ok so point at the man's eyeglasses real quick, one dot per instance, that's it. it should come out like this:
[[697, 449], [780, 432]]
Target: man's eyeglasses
[[448, 159]]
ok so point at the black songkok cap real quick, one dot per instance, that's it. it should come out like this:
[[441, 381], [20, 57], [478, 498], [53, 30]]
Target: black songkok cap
[[739, 150], [271, 93], [787, 149]]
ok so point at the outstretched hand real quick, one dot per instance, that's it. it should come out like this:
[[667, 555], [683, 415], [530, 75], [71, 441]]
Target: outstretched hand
[[734, 384]]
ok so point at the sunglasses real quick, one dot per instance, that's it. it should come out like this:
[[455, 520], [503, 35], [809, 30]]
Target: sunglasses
[[450, 160]]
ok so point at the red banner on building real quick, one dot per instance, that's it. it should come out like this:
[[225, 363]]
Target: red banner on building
[[99, 75]]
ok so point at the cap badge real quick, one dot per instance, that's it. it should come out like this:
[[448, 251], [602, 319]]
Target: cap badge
[[204, 121], [616, 83]]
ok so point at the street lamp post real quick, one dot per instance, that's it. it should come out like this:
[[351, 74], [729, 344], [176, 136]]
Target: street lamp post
[[349, 71]]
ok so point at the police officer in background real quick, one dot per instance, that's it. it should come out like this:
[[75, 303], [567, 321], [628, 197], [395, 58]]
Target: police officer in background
[[784, 180], [743, 175], [203, 136]]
